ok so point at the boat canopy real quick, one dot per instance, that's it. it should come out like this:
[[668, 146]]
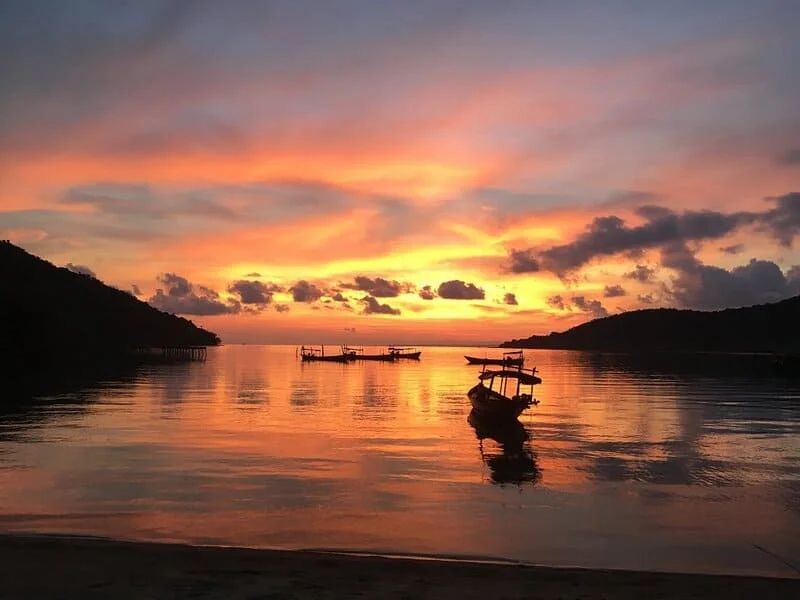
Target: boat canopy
[[527, 378]]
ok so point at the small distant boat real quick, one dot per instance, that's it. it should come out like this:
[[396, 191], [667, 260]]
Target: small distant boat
[[408, 353], [491, 403], [358, 354], [314, 354], [510, 359]]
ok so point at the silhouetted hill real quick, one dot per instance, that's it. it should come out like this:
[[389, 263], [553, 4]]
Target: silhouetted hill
[[763, 328], [50, 313]]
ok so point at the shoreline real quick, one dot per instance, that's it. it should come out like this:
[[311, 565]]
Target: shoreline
[[44, 565]]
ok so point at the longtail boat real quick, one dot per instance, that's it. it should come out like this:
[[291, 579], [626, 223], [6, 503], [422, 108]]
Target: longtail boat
[[510, 359], [494, 403], [358, 354], [408, 353], [314, 354]]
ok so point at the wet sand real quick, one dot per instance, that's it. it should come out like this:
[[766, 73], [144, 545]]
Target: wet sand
[[63, 567]]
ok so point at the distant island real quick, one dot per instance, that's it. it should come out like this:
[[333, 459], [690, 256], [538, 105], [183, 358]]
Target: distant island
[[50, 314], [763, 328]]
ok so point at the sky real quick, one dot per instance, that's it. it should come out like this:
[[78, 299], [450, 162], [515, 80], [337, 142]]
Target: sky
[[406, 172]]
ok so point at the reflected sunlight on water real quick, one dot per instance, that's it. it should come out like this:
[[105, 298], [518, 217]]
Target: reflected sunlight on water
[[619, 466]]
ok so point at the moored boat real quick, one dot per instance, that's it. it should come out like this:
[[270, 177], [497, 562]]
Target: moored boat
[[407, 353], [358, 354], [492, 403], [509, 359], [314, 354]]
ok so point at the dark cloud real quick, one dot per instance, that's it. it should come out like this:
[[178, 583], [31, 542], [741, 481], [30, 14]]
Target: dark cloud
[[613, 291], [378, 287], [510, 298], [253, 274], [593, 307], [282, 308], [523, 261], [254, 292], [646, 298], [373, 307], [80, 270], [702, 286], [303, 291], [427, 293], [140, 200], [135, 290], [181, 298], [459, 290], [793, 279], [610, 235], [783, 221], [557, 301], [176, 285], [641, 273], [732, 249], [790, 157], [338, 297]]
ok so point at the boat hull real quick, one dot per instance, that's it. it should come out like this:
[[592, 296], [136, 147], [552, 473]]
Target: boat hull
[[340, 358], [378, 357], [514, 362], [408, 355], [489, 404]]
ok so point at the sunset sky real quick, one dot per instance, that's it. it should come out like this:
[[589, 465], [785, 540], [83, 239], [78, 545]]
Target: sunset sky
[[407, 172]]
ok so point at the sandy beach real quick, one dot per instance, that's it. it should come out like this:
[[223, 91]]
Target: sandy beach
[[64, 567]]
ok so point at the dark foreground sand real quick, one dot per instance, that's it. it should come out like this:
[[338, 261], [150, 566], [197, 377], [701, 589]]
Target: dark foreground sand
[[56, 567]]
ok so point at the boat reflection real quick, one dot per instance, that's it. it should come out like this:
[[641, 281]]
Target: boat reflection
[[510, 459]]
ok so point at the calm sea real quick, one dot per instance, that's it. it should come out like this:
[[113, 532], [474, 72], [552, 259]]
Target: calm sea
[[621, 465]]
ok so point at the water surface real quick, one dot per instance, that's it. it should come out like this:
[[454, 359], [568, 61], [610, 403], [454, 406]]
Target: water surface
[[621, 465]]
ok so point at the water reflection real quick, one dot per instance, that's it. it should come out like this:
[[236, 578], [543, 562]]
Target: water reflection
[[622, 464], [511, 460]]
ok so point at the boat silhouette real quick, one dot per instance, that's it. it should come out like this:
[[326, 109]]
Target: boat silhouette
[[510, 359], [407, 353], [317, 354], [496, 404]]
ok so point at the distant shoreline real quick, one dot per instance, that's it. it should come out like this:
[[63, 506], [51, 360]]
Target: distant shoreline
[[101, 568]]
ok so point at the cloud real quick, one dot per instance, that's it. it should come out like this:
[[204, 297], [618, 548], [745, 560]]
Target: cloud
[[378, 287], [593, 307], [176, 285], [427, 293], [459, 290], [254, 292], [641, 273], [253, 274], [646, 298], [557, 301], [338, 297], [733, 249], [181, 298], [510, 299], [135, 290], [790, 158], [523, 261], [707, 287], [793, 279], [282, 308], [610, 235], [373, 307], [613, 291], [140, 200], [303, 291], [80, 270]]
